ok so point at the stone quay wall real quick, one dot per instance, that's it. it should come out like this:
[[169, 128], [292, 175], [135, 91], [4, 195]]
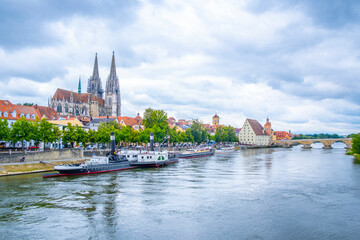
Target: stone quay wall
[[57, 154]]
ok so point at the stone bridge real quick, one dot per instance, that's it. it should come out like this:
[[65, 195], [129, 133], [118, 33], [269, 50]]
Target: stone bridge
[[307, 142]]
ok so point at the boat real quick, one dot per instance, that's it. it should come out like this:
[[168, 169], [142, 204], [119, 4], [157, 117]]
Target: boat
[[199, 152], [153, 158], [130, 155], [96, 164], [224, 150]]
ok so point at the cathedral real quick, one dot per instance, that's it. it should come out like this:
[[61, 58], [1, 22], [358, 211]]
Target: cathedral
[[92, 103]]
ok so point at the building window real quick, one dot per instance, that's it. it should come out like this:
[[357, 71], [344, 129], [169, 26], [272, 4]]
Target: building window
[[5, 114], [13, 114], [0, 113], [33, 116], [27, 116], [59, 108]]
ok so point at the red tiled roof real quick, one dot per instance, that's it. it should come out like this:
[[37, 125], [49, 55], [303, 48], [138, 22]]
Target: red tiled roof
[[65, 94], [281, 135], [7, 106], [128, 121], [99, 100], [48, 112], [256, 126], [83, 97]]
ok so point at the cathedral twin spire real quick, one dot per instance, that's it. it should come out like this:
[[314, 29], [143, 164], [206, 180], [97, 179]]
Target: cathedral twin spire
[[112, 90]]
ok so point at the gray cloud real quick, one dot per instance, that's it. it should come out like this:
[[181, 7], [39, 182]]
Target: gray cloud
[[294, 61]]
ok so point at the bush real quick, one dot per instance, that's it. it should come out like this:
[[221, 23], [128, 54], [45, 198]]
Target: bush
[[356, 144]]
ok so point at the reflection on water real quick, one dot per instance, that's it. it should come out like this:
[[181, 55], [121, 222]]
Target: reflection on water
[[289, 193]]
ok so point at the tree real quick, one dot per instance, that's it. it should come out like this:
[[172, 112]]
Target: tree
[[356, 144], [198, 132], [92, 136], [113, 124], [69, 135], [152, 117], [46, 132], [145, 135], [4, 130], [22, 130], [80, 135]]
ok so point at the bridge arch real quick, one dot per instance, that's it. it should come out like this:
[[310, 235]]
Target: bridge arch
[[327, 143]]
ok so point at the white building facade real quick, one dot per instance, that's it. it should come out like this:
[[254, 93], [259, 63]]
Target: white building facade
[[252, 133]]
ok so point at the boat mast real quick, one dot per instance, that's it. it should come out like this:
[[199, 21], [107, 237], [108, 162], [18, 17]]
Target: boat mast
[[112, 139]]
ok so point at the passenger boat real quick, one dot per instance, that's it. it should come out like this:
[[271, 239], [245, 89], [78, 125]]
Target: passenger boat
[[194, 153], [224, 150], [112, 162], [130, 155], [155, 159]]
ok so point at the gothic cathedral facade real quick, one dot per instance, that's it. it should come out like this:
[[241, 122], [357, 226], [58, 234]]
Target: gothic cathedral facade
[[92, 103]]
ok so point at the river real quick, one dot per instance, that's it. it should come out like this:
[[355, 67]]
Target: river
[[280, 193]]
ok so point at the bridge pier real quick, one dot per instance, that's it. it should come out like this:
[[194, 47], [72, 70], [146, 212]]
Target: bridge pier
[[286, 145], [348, 146], [327, 146], [306, 146]]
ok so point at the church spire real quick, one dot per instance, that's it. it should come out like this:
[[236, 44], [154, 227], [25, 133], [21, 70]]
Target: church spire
[[112, 91], [94, 82], [113, 68], [96, 68], [79, 88]]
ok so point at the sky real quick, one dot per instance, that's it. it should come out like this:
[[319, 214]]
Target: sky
[[296, 62]]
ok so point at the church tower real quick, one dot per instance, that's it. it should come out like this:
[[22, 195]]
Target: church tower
[[267, 126], [94, 82], [112, 92], [216, 120]]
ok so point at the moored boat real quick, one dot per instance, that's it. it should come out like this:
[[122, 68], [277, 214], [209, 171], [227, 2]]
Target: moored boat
[[112, 162], [224, 150], [194, 153], [154, 158]]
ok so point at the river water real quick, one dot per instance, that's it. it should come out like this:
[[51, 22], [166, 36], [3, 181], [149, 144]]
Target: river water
[[250, 194]]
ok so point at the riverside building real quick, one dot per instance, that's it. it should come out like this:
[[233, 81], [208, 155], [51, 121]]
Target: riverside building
[[253, 133]]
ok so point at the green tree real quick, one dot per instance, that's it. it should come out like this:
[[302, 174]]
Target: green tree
[[69, 135], [46, 132], [114, 124], [198, 132], [145, 135], [22, 130], [92, 136], [356, 144], [80, 135], [36, 136], [153, 117], [188, 137], [4, 130]]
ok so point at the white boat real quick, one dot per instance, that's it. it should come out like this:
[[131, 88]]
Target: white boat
[[195, 153], [130, 155], [154, 159], [223, 150]]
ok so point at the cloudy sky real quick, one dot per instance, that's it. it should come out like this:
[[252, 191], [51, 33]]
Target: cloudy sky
[[294, 61]]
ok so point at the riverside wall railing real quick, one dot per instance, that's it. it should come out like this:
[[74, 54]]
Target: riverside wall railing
[[34, 156]]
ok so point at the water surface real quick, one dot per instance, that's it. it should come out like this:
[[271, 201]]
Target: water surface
[[252, 194]]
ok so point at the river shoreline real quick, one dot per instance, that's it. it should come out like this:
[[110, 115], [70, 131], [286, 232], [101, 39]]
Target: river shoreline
[[33, 167]]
